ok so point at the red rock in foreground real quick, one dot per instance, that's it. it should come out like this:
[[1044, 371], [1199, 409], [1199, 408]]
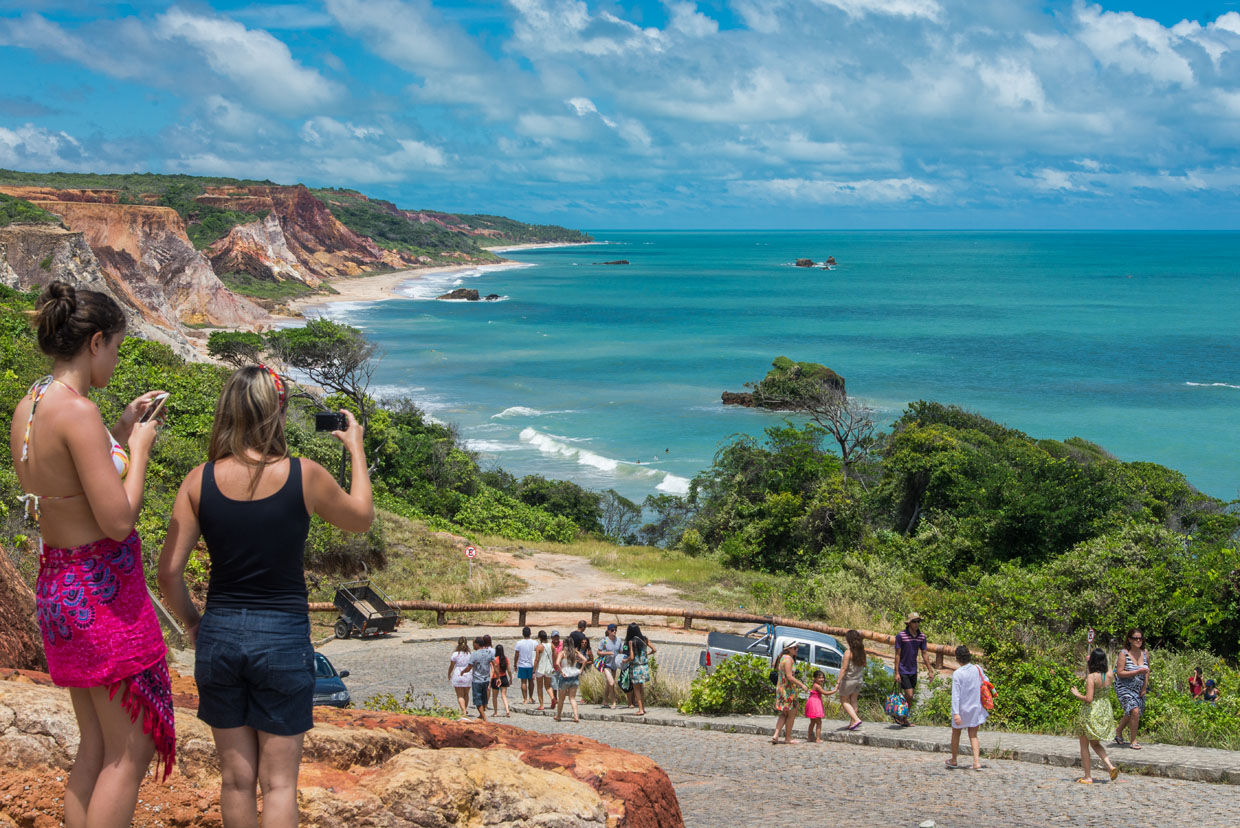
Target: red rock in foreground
[[360, 768]]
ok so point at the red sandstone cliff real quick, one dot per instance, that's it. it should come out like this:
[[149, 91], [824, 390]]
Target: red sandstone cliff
[[321, 244], [149, 260]]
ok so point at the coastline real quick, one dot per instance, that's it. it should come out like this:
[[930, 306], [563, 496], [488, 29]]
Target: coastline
[[383, 286]]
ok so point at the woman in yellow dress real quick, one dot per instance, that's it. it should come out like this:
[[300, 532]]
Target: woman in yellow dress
[[1096, 722]]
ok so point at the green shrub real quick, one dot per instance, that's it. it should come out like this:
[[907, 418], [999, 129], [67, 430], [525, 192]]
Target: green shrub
[[411, 704], [495, 513], [739, 684]]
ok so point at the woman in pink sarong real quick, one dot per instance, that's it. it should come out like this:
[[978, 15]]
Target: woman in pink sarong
[[99, 629]]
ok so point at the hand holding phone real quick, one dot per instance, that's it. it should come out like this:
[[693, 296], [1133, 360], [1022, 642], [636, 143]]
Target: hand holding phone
[[153, 408]]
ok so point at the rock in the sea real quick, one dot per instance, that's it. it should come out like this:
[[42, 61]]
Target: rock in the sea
[[805, 262], [616, 262], [492, 297], [462, 294], [830, 260], [359, 767]]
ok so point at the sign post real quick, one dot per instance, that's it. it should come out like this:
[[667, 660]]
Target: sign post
[[471, 553]]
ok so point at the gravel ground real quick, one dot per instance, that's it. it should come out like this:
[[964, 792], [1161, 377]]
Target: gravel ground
[[740, 780]]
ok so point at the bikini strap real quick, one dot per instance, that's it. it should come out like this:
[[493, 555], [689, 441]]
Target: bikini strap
[[36, 394]]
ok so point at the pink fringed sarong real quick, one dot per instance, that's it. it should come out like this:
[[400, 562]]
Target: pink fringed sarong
[[99, 630]]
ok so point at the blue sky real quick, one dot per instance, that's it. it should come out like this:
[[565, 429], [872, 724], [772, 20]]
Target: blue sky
[[720, 113]]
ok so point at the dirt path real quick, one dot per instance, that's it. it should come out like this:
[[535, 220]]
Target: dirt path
[[553, 577]]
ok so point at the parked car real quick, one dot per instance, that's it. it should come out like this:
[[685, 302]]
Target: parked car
[[823, 651], [328, 687]]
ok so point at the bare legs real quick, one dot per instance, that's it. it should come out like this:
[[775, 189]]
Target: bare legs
[[785, 721], [500, 694], [1130, 720], [639, 698], [542, 682], [569, 694], [609, 687], [462, 700], [815, 730], [112, 758], [974, 743], [249, 759], [849, 703], [1086, 768]]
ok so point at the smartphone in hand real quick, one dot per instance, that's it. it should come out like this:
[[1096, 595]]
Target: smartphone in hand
[[330, 421], [153, 408]]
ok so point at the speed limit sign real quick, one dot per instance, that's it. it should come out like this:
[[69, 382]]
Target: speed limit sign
[[470, 552]]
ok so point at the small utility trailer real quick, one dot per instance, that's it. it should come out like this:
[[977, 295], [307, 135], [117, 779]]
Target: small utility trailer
[[364, 610]]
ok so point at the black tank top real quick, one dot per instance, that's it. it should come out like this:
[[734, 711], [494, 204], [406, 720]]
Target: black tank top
[[257, 547]]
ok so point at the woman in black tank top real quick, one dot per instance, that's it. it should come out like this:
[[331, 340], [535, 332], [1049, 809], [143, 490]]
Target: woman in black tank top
[[254, 664]]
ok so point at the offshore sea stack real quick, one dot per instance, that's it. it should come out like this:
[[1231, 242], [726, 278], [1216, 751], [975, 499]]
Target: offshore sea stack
[[359, 768]]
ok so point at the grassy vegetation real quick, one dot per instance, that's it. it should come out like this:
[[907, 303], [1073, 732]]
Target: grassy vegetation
[[277, 292], [131, 186], [18, 211], [383, 222]]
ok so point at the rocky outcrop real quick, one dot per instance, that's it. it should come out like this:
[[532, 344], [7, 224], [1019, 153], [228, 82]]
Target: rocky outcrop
[[616, 262], [20, 642], [359, 768], [32, 255], [148, 259], [259, 249], [322, 245], [461, 295], [805, 262]]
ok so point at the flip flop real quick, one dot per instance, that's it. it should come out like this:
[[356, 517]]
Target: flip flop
[[1134, 746], [1085, 781], [950, 765], [1114, 773], [854, 726]]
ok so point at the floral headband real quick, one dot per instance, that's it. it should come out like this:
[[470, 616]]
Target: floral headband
[[280, 390]]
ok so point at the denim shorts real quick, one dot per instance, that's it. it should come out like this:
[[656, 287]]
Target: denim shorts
[[479, 693], [255, 668]]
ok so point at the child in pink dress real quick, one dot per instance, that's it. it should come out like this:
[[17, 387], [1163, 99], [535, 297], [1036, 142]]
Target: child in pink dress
[[814, 710]]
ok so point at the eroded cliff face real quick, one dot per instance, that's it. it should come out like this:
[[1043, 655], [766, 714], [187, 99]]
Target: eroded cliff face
[[322, 245], [32, 255], [358, 768], [260, 249], [150, 261], [20, 643]]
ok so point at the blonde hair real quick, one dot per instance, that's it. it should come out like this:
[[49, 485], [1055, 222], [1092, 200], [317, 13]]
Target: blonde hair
[[249, 417]]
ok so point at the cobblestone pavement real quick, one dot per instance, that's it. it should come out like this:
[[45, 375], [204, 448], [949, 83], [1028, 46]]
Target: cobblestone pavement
[[739, 779]]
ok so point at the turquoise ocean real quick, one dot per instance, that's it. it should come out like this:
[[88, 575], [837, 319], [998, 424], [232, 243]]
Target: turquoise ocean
[[610, 375]]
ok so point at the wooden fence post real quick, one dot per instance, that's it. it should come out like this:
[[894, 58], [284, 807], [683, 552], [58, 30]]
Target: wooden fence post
[[688, 621], [594, 616], [521, 618], [441, 617]]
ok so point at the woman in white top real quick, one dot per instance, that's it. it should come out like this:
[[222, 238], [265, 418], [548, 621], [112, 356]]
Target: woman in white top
[[460, 683], [542, 667], [967, 711]]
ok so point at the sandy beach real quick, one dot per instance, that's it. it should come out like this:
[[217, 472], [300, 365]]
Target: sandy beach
[[383, 286]]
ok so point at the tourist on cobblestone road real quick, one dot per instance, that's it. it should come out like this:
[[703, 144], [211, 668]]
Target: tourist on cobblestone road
[[852, 671], [612, 652], [1096, 721], [458, 666], [479, 668], [909, 641], [580, 641], [523, 650], [786, 686], [542, 668], [500, 682], [1132, 680], [556, 646], [568, 663], [814, 709], [967, 710], [639, 650]]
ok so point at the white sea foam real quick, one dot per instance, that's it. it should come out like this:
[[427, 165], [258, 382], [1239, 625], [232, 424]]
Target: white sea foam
[[526, 411], [674, 484], [491, 446], [431, 285], [556, 446], [1213, 385]]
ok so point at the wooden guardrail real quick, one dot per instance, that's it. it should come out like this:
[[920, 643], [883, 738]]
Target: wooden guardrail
[[522, 611]]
